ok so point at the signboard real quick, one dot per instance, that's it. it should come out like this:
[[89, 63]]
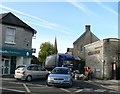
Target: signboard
[[97, 70], [15, 52]]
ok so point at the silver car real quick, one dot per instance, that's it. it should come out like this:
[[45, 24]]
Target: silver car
[[29, 72], [60, 76]]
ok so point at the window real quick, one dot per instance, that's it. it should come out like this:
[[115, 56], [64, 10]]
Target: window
[[10, 35], [34, 68], [81, 48]]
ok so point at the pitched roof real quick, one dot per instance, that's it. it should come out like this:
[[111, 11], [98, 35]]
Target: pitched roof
[[83, 35], [11, 19]]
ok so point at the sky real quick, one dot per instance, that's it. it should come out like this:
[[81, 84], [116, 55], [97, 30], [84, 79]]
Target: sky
[[65, 19]]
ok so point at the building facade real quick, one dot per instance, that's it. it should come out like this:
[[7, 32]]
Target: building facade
[[86, 38], [103, 58], [15, 47]]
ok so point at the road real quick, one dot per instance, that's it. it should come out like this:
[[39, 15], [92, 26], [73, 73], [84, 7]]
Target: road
[[12, 86]]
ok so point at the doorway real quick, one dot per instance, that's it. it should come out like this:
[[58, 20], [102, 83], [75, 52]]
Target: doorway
[[5, 66]]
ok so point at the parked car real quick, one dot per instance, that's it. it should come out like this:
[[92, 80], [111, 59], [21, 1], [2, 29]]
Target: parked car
[[29, 72], [60, 76]]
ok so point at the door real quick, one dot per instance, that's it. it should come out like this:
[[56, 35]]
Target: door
[[42, 72], [6, 66], [34, 72]]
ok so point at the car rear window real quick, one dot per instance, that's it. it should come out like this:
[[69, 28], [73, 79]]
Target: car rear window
[[20, 67]]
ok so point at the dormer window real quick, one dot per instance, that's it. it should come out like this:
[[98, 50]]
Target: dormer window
[[10, 35]]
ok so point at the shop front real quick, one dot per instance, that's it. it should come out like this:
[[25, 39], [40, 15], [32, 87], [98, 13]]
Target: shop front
[[12, 57]]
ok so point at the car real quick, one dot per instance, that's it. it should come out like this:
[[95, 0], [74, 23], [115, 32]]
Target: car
[[60, 76], [29, 72]]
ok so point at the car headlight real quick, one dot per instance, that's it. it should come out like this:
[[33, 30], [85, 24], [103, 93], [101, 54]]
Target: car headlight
[[50, 78]]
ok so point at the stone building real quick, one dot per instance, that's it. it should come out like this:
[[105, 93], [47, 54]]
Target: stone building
[[69, 51], [103, 58], [15, 44], [86, 38]]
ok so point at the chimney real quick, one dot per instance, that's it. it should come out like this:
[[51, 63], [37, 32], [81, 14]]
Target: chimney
[[87, 27]]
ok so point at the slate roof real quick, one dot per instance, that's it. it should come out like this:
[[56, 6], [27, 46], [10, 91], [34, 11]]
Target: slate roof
[[11, 19]]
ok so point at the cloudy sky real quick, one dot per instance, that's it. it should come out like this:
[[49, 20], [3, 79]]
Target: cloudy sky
[[65, 19]]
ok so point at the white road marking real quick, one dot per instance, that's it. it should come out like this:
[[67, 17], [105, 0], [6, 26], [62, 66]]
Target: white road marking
[[100, 90], [87, 89], [12, 90], [27, 89], [64, 89], [79, 90]]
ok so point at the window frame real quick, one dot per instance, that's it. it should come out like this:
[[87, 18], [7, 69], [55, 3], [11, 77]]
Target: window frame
[[13, 35]]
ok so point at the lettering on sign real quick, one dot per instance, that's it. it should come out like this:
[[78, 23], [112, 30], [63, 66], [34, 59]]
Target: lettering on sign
[[94, 52]]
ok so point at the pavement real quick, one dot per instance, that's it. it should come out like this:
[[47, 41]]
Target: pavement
[[109, 84]]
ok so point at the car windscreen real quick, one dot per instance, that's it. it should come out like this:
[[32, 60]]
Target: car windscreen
[[20, 68], [60, 71]]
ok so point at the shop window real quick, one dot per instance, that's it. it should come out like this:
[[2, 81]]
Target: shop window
[[10, 35]]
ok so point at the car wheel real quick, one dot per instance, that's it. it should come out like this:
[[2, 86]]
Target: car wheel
[[29, 78], [47, 83]]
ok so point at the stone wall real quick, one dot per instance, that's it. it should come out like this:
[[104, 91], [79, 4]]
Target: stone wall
[[94, 57], [100, 57], [110, 54], [23, 37]]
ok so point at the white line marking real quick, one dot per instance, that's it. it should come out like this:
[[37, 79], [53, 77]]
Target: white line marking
[[12, 90], [79, 90], [100, 90], [64, 89], [27, 89]]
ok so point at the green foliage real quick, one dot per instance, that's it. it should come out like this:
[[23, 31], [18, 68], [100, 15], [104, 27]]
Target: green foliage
[[46, 49], [35, 60]]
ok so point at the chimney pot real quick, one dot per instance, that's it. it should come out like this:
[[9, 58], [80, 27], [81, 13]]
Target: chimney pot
[[87, 27]]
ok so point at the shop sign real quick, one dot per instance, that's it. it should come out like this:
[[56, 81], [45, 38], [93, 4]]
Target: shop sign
[[15, 52], [94, 52]]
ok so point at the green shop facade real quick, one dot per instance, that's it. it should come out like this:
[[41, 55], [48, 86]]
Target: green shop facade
[[12, 57]]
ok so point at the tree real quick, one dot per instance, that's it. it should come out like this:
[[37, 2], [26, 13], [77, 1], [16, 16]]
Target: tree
[[46, 49], [34, 60], [55, 46]]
